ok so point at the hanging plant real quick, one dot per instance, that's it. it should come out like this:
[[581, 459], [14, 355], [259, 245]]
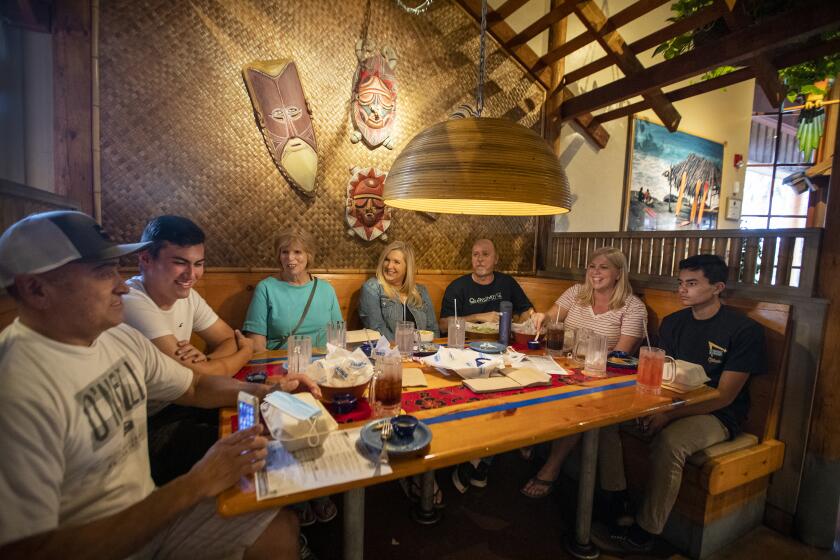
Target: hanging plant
[[798, 79]]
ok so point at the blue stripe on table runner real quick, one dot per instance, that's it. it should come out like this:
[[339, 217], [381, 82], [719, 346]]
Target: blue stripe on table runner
[[528, 402]]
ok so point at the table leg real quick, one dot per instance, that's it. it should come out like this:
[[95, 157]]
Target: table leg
[[425, 512], [354, 524], [580, 545]]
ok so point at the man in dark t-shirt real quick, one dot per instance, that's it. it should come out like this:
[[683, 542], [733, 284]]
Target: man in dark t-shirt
[[479, 294], [730, 347]]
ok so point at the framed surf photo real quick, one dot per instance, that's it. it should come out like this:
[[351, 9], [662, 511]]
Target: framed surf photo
[[672, 181]]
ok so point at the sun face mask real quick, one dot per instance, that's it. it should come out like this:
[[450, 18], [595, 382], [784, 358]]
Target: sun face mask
[[374, 107]]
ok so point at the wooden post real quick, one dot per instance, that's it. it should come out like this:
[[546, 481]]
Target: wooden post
[[556, 38], [818, 503], [72, 99]]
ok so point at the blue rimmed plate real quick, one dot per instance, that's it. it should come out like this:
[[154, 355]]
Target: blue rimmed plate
[[420, 439], [622, 360], [487, 347]]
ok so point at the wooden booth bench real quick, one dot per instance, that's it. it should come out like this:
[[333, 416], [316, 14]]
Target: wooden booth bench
[[724, 487]]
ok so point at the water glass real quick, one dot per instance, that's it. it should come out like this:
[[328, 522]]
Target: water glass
[[337, 334], [404, 337], [386, 388], [579, 347], [456, 333], [569, 338], [595, 364], [651, 366], [555, 332], [300, 353]]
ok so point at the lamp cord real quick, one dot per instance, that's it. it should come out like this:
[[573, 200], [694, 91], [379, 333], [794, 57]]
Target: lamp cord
[[479, 92]]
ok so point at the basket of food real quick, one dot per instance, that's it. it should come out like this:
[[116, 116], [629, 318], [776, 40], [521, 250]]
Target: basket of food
[[482, 331]]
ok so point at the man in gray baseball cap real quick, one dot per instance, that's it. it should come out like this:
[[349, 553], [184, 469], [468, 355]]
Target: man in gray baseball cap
[[74, 387], [44, 242]]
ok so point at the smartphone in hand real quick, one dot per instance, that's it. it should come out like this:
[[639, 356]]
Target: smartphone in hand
[[248, 408]]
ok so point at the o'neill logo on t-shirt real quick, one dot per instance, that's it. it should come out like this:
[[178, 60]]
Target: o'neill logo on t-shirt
[[492, 297], [107, 401]]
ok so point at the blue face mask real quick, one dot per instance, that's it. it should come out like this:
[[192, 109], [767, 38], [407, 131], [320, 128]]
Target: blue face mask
[[295, 408]]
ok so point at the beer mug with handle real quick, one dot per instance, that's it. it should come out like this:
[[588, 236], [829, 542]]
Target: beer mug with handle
[[386, 387], [652, 371]]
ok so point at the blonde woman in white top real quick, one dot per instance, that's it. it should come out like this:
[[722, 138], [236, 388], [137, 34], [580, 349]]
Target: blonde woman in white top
[[606, 305]]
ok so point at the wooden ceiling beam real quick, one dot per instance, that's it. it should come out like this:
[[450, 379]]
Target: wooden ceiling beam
[[694, 21], [623, 17], [733, 49], [613, 43], [766, 75], [541, 24], [505, 10], [794, 56], [526, 57], [698, 88]]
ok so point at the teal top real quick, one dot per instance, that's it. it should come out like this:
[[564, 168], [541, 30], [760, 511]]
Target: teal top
[[277, 306]]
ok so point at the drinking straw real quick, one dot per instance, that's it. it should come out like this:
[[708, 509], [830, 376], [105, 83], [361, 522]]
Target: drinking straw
[[456, 309], [403, 311], [644, 324], [557, 317]]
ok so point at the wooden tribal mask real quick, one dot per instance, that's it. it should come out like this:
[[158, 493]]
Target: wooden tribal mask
[[374, 106], [366, 213], [285, 120]]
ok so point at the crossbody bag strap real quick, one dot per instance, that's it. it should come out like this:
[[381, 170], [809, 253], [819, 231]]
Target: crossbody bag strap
[[305, 309]]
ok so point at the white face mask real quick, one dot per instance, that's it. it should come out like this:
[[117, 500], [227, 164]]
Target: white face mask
[[277, 404]]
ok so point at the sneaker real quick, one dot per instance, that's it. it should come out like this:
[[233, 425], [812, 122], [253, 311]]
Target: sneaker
[[462, 476], [631, 539], [478, 477], [305, 552]]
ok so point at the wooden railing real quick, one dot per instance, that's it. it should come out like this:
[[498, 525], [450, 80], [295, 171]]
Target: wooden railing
[[778, 260]]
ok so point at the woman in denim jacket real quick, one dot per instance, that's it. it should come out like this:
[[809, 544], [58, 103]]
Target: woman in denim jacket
[[383, 296]]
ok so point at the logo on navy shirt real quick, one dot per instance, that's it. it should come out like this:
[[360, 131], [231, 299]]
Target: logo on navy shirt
[[492, 297], [716, 353]]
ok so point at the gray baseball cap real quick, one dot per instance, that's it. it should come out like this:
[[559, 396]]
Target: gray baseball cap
[[46, 241]]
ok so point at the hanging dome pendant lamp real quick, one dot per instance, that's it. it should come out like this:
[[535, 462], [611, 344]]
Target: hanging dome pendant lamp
[[478, 166]]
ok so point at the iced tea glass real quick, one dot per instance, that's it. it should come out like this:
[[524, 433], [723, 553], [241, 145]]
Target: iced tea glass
[[651, 367], [555, 333], [386, 388]]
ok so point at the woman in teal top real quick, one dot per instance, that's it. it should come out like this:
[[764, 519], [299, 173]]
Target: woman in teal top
[[276, 308], [279, 301]]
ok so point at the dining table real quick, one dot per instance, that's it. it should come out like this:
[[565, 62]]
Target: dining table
[[467, 426]]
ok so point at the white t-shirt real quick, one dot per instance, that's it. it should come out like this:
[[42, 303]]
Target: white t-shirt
[[73, 426], [187, 315], [628, 320]]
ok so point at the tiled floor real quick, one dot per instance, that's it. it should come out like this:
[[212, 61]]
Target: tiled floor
[[498, 523]]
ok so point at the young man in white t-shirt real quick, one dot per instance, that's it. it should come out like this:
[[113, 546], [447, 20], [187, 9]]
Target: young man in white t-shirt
[[164, 306], [74, 389]]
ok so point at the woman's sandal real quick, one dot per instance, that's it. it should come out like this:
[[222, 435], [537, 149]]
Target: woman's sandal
[[413, 492], [540, 488], [325, 509]]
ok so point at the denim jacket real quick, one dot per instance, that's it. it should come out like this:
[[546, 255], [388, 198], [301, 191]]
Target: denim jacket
[[381, 313]]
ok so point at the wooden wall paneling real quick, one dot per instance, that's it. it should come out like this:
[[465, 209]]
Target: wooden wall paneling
[[72, 97]]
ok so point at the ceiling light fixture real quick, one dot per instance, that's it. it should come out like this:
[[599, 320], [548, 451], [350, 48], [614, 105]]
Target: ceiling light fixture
[[478, 166]]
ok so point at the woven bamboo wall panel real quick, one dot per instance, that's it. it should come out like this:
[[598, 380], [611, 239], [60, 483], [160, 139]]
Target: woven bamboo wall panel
[[179, 137]]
